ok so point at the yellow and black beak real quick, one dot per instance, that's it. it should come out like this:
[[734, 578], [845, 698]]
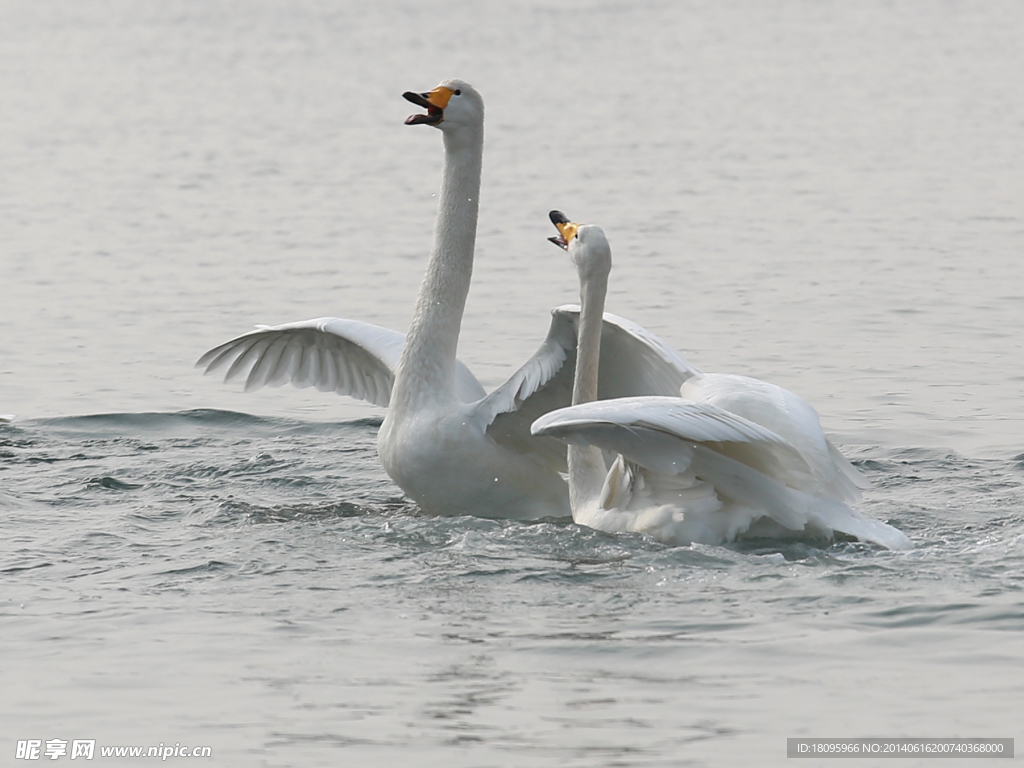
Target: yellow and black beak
[[433, 101], [566, 229]]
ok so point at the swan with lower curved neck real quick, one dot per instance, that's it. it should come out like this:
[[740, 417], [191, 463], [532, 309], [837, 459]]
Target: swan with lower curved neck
[[731, 457], [452, 448]]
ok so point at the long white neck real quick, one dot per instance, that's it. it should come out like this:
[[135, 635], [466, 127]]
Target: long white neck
[[426, 371], [586, 464]]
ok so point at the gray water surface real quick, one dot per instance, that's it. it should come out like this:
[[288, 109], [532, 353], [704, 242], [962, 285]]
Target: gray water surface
[[825, 195]]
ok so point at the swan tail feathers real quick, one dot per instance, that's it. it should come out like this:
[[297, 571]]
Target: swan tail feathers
[[792, 509], [848, 476]]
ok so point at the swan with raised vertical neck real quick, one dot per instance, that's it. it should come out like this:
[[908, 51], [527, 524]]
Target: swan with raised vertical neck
[[730, 457], [451, 447]]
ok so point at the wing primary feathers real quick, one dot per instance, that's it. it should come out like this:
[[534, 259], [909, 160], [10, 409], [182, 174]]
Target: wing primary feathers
[[347, 357], [328, 376], [288, 365], [304, 377], [247, 358], [266, 365], [226, 354]]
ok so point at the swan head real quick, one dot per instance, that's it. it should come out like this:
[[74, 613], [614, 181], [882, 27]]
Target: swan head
[[586, 243], [451, 104]]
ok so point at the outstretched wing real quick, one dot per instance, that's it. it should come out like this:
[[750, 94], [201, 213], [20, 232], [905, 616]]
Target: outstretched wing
[[658, 433], [633, 362], [332, 354]]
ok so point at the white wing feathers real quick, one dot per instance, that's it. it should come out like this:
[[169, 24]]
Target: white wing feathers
[[823, 471], [657, 433], [633, 362], [332, 354], [359, 359], [698, 422], [744, 462], [789, 507], [535, 373]]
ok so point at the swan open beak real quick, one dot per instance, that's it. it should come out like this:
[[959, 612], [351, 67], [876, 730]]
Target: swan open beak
[[566, 229], [433, 101]]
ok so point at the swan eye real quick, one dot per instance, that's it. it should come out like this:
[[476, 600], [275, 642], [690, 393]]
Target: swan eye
[[458, 91]]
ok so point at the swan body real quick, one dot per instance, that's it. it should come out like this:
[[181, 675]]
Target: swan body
[[450, 446], [731, 456]]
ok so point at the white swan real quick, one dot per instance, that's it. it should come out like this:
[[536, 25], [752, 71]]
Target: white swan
[[732, 456], [450, 447]]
